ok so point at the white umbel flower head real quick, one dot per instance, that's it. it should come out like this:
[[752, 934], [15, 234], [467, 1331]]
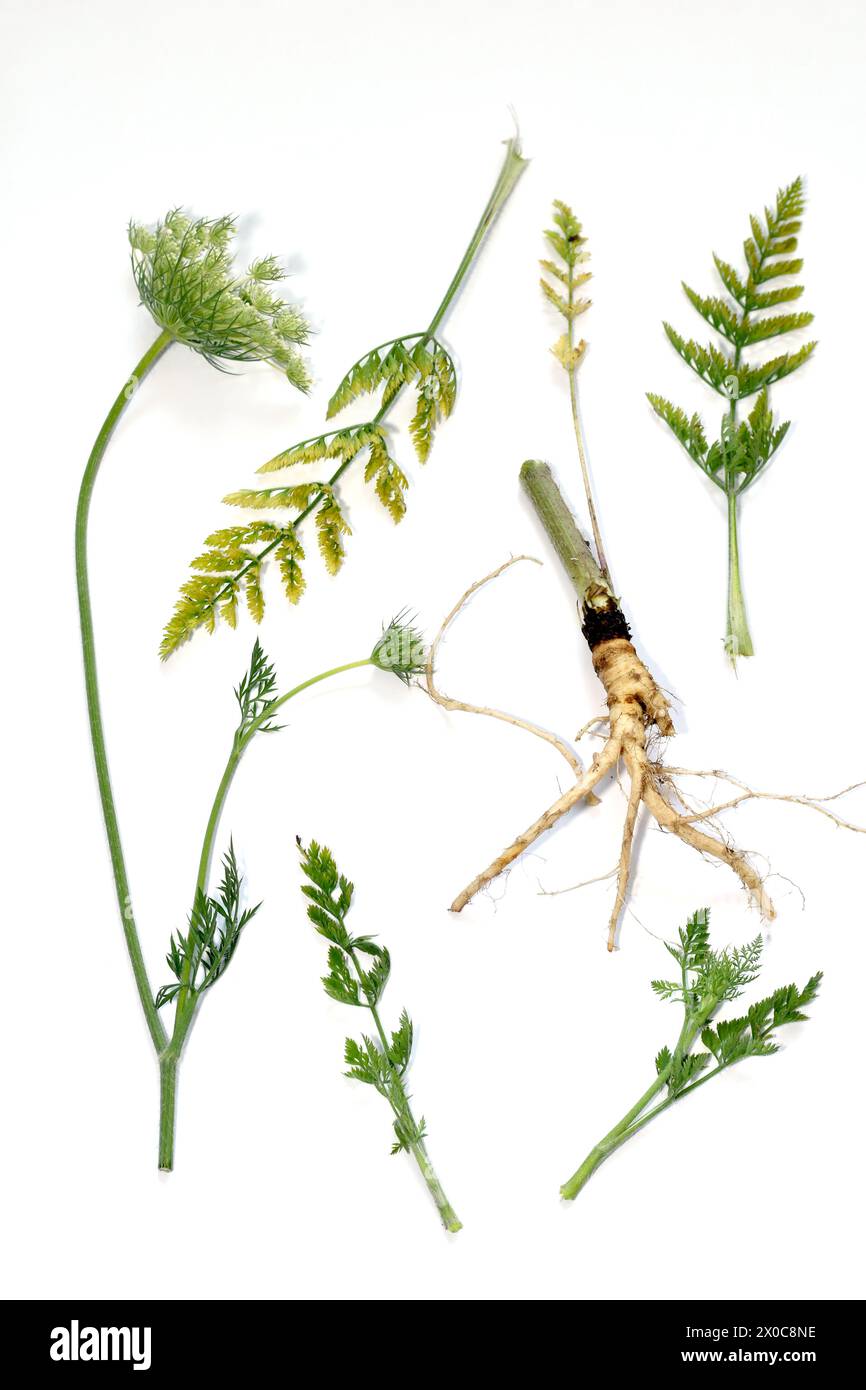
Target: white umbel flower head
[[186, 278]]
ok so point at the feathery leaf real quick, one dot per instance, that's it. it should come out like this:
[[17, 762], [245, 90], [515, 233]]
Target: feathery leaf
[[352, 980], [567, 241], [741, 452]]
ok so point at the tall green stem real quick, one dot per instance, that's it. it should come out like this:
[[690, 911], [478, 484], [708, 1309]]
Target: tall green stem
[[97, 733], [187, 999]]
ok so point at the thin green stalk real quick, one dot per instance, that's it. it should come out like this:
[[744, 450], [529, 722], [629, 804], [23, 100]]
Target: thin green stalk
[[169, 1062], [187, 999], [671, 1100], [739, 639], [604, 1148], [512, 168], [97, 733], [627, 1126], [238, 750], [510, 172], [167, 1107], [566, 242], [581, 450], [450, 1219]]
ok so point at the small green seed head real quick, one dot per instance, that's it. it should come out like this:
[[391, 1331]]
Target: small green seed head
[[400, 649]]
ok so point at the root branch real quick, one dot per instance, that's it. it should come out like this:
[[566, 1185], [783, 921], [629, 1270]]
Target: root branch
[[446, 701]]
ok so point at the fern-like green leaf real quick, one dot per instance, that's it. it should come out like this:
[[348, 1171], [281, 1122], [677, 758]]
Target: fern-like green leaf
[[437, 392], [561, 304], [214, 589], [228, 568], [215, 928], [254, 596], [731, 281], [391, 364], [296, 495], [343, 445], [418, 358], [760, 329], [768, 299], [689, 430], [768, 255], [718, 315], [289, 554], [716, 368], [331, 526], [752, 377], [389, 481], [567, 241], [352, 980]]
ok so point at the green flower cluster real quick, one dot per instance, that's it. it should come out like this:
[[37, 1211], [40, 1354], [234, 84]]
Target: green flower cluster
[[186, 278]]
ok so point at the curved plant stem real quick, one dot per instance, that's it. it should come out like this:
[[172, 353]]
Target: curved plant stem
[[187, 999], [97, 733], [239, 748]]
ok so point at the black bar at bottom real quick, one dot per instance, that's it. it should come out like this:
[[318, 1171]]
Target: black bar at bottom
[[76, 1337]]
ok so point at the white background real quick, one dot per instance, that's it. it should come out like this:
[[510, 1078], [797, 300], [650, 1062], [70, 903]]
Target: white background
[[359, 142]]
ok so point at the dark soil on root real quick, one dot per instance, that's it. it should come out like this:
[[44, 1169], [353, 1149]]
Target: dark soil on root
[[603, 625]]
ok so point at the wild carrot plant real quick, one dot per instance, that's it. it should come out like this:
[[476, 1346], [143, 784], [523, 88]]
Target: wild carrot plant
[[186, 278]]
